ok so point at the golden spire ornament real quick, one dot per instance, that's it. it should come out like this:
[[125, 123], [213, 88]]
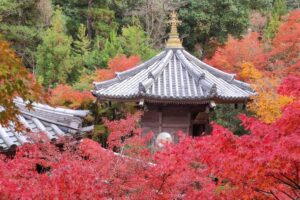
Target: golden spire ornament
[[174, 41]]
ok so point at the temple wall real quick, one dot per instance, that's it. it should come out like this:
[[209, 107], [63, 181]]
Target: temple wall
[[171, 119]]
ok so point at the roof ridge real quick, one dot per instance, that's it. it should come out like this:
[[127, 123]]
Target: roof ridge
[[176, 72], [195, 74], [200, 77], [134, 70], [230, 78], [55, 110], [152, 76], [120, 76], [209, 68]]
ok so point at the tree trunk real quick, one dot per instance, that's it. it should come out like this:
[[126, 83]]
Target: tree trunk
[[89, 20]]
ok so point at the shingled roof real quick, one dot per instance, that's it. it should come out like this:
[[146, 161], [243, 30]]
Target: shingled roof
[[54, 122], [174, 76]]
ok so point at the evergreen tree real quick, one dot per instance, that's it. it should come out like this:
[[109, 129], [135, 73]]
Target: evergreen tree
[[81, 54], [279, 9], [227, 116], [82, 43], [293, 4], [96, 14], [112, 47], [21, 22], [132, 41], [135, 41], [207, 23], [54, 63]]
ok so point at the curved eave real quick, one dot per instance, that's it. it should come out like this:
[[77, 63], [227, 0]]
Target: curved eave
[[57, 110], [174, 76], [172, 100], [120, 76]]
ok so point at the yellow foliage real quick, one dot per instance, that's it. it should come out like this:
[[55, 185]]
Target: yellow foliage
[[267, 104], [249, 72]]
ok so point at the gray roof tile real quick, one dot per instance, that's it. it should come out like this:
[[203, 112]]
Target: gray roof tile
[[172, 76], [54, 122]]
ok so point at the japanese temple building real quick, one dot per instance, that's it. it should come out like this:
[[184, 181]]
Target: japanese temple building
[[176, 89], [54, 122]]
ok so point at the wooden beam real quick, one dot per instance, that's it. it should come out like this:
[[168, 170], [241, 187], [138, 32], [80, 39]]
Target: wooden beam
[[160, 121], [189, 123], [174, 125], [150, 124]]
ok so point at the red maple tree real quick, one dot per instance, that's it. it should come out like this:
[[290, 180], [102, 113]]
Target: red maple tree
[[118, 63], [65, 95], [284, 58], [235, 52], [261, 165], [290, 86]]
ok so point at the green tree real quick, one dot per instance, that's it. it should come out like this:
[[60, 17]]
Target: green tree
[[82, 43], [132, 41], [227, 116], [279, 9], [207, 22], [54, 62], [97, 16], [135, 41], [83, 54], [293, 4], [112, 47], [21, 22]]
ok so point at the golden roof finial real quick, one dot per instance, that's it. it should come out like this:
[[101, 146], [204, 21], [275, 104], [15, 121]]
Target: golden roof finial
[[174, 41]]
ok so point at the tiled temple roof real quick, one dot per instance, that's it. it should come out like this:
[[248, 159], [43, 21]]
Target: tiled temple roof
[[174, 76], [54, 122]]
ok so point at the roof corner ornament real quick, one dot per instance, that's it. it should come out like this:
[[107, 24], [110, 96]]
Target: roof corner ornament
[[232, 78], [142, 103], [201, 77], [213, 90], [174, 41], [212, 104], [142, 88]]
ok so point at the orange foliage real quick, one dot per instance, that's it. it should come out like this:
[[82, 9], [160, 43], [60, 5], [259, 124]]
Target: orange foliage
[[104, 74], [231, 56], [117, 64], [122, 63], [64, 95], [283, 60], [15, 80], [248, 59], [284, 57]]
